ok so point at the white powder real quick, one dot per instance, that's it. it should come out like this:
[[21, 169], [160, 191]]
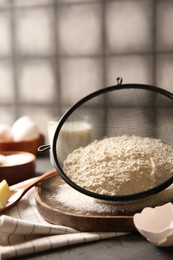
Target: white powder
[[15, 159], [120, 165], [74, 200]]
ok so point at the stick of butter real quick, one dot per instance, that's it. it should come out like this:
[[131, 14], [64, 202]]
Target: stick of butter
[[4, 193]]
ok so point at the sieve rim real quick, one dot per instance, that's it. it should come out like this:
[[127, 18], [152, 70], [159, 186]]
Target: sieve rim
[[126, 197]]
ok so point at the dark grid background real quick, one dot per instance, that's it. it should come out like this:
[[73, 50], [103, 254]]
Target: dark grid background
[[53, 52]]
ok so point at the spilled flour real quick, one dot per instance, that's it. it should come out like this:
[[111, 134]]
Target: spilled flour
[[120, 165], [75, 200]]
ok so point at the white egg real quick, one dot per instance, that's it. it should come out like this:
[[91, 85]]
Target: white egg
[[5, 132], [22, 119], [24, 129]]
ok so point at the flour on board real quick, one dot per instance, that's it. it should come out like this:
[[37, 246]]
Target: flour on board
[[74, 200], [120, 165]]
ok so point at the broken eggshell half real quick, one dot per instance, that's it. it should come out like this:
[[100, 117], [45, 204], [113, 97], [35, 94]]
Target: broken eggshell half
[[156, 224]]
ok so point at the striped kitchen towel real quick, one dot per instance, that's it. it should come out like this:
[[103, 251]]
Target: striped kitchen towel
[[23, 231]]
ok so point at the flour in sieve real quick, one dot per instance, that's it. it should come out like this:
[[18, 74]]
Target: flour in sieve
[[120, 165]]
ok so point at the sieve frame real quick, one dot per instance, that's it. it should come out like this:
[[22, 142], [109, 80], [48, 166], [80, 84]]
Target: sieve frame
[[126, 197]]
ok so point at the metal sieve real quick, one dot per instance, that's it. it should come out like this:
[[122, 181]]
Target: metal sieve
[[123, 109]]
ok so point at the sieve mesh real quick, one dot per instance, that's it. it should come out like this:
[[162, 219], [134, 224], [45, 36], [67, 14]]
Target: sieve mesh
[[131, 109]]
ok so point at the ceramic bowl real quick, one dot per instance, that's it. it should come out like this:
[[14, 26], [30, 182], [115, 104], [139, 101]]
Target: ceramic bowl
[[26, 146], [156, 224], [20, 170]]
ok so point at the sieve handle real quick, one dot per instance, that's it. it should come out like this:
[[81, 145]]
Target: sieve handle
[[44, 148]]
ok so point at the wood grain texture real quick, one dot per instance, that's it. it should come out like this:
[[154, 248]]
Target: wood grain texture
[[54, 212]]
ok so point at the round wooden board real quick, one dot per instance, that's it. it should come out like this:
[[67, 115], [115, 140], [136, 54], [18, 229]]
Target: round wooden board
[[56, 213]]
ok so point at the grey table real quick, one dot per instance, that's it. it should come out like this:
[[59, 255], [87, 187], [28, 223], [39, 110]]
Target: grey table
[[131, 247]]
